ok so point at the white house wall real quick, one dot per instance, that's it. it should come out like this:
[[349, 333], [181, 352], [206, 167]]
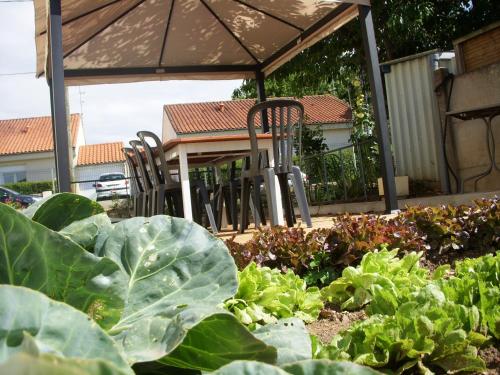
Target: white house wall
[[38, 166]]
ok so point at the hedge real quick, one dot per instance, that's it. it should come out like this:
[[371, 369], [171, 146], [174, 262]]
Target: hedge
[[30, 187]]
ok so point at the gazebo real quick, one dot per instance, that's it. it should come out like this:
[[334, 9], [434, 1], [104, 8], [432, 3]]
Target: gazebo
[[83, 42]]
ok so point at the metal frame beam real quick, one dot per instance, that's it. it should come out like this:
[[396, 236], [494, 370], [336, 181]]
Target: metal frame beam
[[57, 92], [378, 101]]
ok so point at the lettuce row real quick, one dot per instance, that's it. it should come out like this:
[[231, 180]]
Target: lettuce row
[[423, 321]]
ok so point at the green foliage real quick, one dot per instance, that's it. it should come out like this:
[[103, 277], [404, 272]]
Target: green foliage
[[30, 188], [33, 322], [417, 320], [425, 332], [60, 210], [382, 278], [266, 295], [312, 140], [153, 284], [307, 367]]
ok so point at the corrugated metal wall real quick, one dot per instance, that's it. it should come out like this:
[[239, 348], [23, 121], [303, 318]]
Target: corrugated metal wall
[[414, 116]]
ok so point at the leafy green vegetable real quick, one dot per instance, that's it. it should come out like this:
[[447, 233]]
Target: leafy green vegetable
[[217, 341], [85, 232], [426, 331], [325, 367], [307, 367], [380, 274], [34, 256], [265, 295], [476, 283], [168, 278], [23, 363], [290, 337], [60, 210], [32, 322]]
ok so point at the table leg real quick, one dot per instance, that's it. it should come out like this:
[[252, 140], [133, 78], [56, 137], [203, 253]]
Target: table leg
[[279, 204], [185, 186]]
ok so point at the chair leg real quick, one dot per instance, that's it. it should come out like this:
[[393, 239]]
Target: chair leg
[[160, 201], [300, 194], [244, 202], [179, 208], [227, 202], [233, 192], [257, 202], [287, 202], [208, 207], [270, 183]]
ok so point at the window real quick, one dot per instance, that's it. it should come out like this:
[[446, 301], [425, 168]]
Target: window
[[112, 177], [14, 177]]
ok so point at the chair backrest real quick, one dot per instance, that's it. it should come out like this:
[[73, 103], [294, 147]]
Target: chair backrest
[[160, 173], [135, 177], [146, 180], [284, 117]]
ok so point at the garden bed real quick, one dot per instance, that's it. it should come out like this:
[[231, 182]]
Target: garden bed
[[162, 295]]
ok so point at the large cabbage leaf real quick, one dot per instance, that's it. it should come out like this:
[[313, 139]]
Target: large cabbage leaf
[[86, 232], [36, 257], [307, 367], [51, 327], [60, 210], [177, 275], [23, 364], [290, 337]]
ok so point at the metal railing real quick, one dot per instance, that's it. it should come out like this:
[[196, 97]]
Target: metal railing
[[345, 174]]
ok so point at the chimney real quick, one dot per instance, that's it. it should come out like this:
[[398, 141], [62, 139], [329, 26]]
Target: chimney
[[221, 107], [25, 129]]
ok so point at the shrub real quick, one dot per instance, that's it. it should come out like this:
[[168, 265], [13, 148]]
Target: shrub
[[29, 188]]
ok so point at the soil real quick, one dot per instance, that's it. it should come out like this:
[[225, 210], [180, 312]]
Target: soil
[[491, 356], [333, 321]]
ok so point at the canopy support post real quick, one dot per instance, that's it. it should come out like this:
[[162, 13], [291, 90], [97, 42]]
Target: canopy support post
[[378, 101], [261, 96], [58, 100]]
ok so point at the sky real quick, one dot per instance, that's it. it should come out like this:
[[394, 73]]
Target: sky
[[110, 112]]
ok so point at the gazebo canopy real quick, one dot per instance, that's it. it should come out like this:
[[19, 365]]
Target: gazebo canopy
[[112, 41]]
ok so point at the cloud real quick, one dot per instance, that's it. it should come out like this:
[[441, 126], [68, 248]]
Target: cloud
[[111, 112]]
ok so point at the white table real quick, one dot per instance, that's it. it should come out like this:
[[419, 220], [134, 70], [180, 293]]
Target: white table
[[190, 152]]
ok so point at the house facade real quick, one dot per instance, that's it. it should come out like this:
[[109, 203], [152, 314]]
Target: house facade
[[27, 148], [328, 112], [97, 159]]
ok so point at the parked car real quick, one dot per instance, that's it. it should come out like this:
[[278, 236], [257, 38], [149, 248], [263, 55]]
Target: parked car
[[8, 195], [110, 185]]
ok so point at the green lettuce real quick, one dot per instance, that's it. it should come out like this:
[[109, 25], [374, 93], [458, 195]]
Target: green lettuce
[[382, 280], [427, 331], [266, 295]]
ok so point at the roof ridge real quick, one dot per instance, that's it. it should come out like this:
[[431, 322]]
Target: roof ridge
[[254, 99], [33, 117]]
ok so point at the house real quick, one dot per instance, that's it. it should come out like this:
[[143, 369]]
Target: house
[[27, 148], [97, 159], [331, 114]]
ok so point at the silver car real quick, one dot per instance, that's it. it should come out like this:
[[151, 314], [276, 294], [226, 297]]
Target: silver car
[[111, 185]]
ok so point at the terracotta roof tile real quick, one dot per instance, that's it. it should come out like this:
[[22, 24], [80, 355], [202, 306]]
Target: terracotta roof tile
[[26, 135], [102, 153], [209, 117]]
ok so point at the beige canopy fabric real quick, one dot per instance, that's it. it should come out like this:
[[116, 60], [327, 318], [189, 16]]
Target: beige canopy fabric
[[111, 41]]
